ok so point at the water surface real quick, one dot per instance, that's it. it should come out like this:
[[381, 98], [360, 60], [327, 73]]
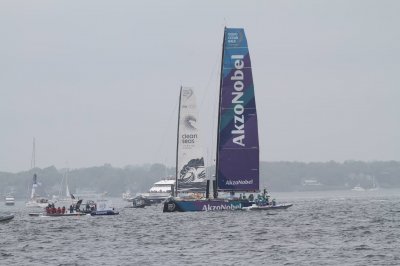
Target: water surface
[[322, 228]]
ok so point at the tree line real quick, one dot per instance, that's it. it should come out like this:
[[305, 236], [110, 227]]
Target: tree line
[[275, 176]]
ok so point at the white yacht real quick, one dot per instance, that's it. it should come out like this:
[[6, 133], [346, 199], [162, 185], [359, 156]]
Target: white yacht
[[160, 190], [89, 194], [358, 188], [10, 200], [64, 197], [35, 200]]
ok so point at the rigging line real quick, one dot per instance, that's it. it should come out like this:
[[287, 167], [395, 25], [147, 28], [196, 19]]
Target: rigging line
[[172, 114], [33, 159], [210, 79], [61, 185], [213, 77], [215, 111], [213, 139], [214, 124]]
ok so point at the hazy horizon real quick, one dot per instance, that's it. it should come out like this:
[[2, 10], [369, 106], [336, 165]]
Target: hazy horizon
[[97, 82]]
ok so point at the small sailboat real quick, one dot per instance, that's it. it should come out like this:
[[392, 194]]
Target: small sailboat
[[35, 199], [65, 197], [237, 161], [375, 185]]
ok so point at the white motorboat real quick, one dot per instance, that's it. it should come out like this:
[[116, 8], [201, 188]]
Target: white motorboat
[[160, 191], [358, 188], [10, 200]]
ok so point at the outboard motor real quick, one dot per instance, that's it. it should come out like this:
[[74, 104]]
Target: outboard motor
[[169, 205]]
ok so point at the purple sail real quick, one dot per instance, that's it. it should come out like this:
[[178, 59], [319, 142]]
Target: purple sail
[[237, 148]]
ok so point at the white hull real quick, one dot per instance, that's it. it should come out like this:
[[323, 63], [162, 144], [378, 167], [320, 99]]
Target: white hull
[[358, 188], [255, 207], [157, 196], [10, 201], [64, 202], [160, 191], [34, 204]]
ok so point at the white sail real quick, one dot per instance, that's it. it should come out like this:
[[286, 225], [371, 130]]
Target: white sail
[[35, 200], [67, 191], [33, 191], [190, 159], [67, 194]]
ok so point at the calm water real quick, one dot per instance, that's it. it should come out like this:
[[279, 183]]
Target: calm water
[[322, 228]]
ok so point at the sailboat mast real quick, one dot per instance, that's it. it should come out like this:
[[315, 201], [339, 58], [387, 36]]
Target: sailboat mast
[[33, 159], [33, 166], [177, 144], [219, 112], [66, 184]]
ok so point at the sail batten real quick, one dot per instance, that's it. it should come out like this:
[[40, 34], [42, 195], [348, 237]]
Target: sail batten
[[237, 145]]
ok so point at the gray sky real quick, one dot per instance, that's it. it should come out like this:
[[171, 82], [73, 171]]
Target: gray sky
[[98, 81]]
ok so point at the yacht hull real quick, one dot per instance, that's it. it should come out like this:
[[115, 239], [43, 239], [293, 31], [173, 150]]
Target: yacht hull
[[193, 205], [107, 212], [6, 217], [268, 207]]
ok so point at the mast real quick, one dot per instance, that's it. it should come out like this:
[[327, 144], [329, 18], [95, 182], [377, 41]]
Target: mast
[[66, 185], [33, 166], [177, 145], [219, 117], [33, 160]]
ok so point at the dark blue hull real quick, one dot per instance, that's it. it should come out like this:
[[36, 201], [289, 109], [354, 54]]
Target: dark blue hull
[[6, 217], [108, 212], [193, 205]]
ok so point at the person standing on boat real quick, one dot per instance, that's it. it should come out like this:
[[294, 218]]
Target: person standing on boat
[[251, 197], [71, 209]]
